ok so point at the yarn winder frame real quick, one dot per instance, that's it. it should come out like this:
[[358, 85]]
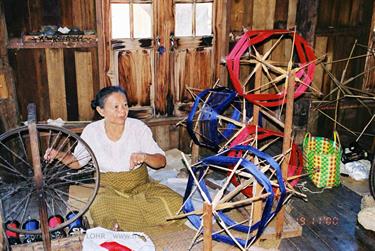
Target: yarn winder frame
[[210, 126]]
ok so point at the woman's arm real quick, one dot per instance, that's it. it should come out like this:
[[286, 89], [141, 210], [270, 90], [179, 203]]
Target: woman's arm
[[66, 158], [155, 161]]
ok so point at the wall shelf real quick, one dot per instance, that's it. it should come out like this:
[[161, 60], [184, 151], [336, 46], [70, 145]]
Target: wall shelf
[[19, 43]]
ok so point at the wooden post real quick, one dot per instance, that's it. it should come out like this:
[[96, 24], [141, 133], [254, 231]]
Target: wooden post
[[194, 153], [306, 24], [258, 83], [207, 226], [221, 33], [286, 145], [38, 175], [307, 19], [100, 32], [257, 214], [163, 74]]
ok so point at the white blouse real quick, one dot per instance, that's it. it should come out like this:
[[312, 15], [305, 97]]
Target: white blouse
[[114, 156]]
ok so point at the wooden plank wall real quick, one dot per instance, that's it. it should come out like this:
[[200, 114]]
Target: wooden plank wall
[[369, 83], [79, 13], [56, 83], [62, 81], [8, 105], [192, 69], [339, 25], [85, 90], [260, 14]]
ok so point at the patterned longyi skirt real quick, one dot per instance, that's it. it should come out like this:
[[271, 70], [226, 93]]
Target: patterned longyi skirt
[[132, 201]]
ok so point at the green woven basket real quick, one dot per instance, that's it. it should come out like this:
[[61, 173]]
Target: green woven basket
[[322, 159]]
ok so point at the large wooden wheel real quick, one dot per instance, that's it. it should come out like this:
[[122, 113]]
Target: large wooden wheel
[[19, 191]]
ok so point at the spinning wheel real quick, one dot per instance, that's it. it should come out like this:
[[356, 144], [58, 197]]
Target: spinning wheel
[[25, 191], [275, 69], [241, 231]]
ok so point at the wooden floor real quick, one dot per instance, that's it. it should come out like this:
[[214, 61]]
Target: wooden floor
[[329, 221]]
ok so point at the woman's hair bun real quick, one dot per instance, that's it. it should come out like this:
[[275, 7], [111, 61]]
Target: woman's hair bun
[[94, 104]]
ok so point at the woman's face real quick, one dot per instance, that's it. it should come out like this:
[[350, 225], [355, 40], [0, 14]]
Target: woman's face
[[115, 108]]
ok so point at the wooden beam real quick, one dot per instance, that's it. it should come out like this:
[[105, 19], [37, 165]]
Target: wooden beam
[[85, 91], [286, 144], [100, 28], [194, 153], [207, 226], [291, 229], [3, 87], [307, 19], [70, 243], [258, 205], [221, 32], [77, 126], [292, 14], [38, 175], [321, 46], [281, 14], [3, 37], [56, 83], [163, 77], [353, 31]]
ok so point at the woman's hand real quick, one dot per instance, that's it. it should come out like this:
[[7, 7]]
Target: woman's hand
[[66, 158], [136, 160], [51, 154], [154, 161]]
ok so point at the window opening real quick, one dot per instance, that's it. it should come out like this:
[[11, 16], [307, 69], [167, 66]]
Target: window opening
[[193, 19], [130, 20]]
